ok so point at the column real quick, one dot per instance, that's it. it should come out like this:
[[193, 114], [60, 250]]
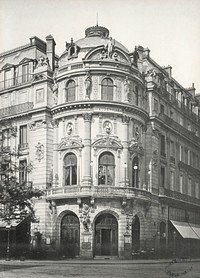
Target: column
[[55, 154], [87, 150], [124, 162]]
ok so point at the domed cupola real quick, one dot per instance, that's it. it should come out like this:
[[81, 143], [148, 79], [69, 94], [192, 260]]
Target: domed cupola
[[98, 31]]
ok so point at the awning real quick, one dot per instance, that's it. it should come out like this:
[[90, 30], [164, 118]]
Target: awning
[[185, 229], [13, 224], [196, 229]]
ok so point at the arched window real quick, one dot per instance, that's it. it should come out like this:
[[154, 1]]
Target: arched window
[[70, 91], [107, 89], [70, 169], [136, 96], [135, 170], [106, 169]]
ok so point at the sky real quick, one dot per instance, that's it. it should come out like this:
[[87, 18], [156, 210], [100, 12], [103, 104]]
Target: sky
[[169, 28]]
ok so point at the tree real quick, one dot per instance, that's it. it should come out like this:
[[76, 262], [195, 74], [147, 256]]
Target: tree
[[16, 196]]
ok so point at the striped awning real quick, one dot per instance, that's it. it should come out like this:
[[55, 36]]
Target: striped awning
[[185, 229]]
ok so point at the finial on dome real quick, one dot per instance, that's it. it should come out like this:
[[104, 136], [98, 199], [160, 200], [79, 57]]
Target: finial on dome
[[97, 20]]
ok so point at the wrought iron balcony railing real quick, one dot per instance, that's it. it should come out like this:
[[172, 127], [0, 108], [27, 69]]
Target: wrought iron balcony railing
[[17, 81], [180, 196]]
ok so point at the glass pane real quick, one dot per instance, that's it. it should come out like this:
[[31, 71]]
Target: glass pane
[[70, 91], [70, 159]]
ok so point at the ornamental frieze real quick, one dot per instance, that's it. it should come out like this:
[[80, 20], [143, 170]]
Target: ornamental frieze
[[69, 143], [107, 142]]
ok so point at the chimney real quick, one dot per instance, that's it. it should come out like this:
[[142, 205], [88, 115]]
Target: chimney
[[168, 69], [51, 51]]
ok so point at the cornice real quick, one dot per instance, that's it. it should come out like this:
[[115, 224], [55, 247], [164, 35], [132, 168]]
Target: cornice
[[118, 108]]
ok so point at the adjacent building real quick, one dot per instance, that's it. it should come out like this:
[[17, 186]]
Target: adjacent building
[[112, 138]]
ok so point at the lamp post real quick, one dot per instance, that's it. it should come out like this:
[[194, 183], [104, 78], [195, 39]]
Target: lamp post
[[125, 167], [135, 167], [8, 243], [174, 244]]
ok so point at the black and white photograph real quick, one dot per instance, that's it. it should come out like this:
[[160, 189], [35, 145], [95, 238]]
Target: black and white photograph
[[99, 138]]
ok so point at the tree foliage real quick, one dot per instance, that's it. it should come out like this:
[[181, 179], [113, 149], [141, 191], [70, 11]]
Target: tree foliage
[[16, 197]]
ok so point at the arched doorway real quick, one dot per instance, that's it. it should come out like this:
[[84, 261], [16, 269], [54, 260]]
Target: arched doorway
[[106, 236], [136, 233], [70, 235]]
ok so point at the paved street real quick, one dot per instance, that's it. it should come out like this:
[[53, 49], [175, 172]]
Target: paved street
[[98, 268]]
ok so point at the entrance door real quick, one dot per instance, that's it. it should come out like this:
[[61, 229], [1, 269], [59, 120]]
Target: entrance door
[[106, 242], [106, 236], [70, 236]]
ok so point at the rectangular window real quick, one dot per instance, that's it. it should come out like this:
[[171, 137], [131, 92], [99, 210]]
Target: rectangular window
[[181, 153], [162, 109], [189, 186], [155, 105], [22, 171], [181, 121], [186, 155], [25, 73], [162, 171], [181, 183], [23, 136], [6, 138], [7, 79], [172, 152], [162, 145], [172, 180]]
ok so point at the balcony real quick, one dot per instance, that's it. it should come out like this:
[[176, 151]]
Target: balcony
[[180, 196], [16, 109], [17, 81], [98, 192], [176, 126]]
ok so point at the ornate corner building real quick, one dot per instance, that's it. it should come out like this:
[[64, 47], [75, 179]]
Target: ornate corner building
[[113, 139]]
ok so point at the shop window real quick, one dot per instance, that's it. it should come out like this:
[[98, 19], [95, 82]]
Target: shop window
[[70, 169], [70, 91], [107, 89], [106, 169]]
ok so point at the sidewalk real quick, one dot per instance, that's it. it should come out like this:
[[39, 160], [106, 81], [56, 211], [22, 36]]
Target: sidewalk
[[90, 262]]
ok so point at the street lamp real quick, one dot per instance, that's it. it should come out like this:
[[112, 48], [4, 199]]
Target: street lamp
[[8, 243], [135, 167], [125, 167]]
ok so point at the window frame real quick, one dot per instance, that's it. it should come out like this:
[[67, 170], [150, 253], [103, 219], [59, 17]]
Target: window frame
[[107, 89]]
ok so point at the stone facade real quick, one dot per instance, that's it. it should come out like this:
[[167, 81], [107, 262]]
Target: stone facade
[[111, 137]]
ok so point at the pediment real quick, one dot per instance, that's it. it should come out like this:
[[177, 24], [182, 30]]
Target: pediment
[[100, 53], [25, 60], [107, 142], [70, 143], [7, 66]]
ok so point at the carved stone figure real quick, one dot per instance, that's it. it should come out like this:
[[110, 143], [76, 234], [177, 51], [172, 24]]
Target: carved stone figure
[[110, 47], [127, 88], [86, 217], [88, 85], [55, 90], [39, 151], [107, 127], [69, 128], [135, 57]]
